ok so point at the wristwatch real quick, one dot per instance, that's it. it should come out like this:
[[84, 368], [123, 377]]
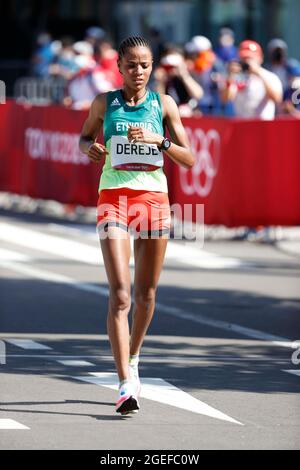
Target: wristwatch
[[165, 145]]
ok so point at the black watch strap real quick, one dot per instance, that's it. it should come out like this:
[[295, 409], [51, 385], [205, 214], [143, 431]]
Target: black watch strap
[[163, 146]]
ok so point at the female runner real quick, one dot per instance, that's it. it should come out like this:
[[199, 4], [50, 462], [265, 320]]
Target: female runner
[[133, 194]]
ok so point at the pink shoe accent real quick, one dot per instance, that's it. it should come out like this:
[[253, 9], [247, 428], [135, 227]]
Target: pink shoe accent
[[121, 400]]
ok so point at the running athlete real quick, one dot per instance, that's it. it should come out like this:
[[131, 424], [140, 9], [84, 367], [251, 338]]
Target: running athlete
[[133, 120]]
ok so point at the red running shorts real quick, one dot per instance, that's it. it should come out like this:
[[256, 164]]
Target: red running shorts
[[146, 213]]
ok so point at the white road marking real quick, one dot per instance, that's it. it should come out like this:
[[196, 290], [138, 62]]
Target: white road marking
[[200, 258], [76, 229], [174, 311], [287, 344], [11, 424], [159, 390], [54, 277], [27, 344], [184, 253], [294, 372], [51, 244], [249, 332], [75, 363], [81, 252], [9, 255]]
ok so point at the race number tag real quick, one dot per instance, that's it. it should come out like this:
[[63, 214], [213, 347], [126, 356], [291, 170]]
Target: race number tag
[[134, 156]]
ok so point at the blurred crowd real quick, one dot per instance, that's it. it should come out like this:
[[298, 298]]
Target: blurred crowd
[[229, 79]]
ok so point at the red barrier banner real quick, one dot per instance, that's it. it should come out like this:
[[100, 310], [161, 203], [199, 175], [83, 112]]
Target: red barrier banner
[[40, 156], [246, 172]]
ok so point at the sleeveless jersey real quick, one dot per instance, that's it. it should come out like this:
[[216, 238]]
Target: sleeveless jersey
[[117, 118]]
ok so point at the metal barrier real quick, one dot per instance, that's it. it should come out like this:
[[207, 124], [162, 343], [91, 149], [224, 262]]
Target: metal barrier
[[40, 91]]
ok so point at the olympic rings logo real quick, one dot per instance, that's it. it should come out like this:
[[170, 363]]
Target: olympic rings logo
[[206, 148]]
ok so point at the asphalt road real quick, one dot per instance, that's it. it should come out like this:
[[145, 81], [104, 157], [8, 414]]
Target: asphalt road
[[219, 367]]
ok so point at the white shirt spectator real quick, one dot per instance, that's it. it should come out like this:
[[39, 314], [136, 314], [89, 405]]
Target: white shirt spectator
[[83, 88], [252, 101]]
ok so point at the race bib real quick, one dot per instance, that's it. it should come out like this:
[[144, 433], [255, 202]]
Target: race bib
[[134, 156]]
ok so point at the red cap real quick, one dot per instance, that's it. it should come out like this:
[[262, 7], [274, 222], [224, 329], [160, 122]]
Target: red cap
[[248, 48]]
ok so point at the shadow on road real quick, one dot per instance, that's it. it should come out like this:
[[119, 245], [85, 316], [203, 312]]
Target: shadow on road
[[185, 353]]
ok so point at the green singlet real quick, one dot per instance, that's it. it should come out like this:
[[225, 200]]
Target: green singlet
[[118, 116]]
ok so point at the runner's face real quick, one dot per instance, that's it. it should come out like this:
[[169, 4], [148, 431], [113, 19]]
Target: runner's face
[[136, 67]]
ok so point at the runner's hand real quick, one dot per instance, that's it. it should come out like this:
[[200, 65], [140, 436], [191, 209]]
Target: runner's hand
[[97, 152], [139, 134]]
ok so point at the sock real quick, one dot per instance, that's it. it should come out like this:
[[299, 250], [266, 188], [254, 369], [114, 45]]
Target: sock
[[125, 382], [134, 372], [134, 359]]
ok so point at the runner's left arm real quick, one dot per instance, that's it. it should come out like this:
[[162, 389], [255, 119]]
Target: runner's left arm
[[180, 151]]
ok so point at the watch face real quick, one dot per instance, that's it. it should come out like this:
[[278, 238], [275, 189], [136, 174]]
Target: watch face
[[166, 144]]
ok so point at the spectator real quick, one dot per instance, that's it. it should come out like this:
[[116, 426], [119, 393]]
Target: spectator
[[84, 53], [173, 77], [291, 100], [207, 71], [253, 90], [157, 44], [64, 64], [91, 79], [43, 55], [85, 85], [226, 51], [97, 70], [93, 35], [233, 68], [278, 60], [106, 57]]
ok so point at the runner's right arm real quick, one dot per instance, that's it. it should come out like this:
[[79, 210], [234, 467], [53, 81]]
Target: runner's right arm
[[91, 129]]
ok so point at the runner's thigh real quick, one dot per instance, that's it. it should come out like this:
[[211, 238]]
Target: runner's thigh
[[116, 255]]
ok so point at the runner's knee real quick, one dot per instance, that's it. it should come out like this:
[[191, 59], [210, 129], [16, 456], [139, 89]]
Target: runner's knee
[[144, 298], [119, 300]]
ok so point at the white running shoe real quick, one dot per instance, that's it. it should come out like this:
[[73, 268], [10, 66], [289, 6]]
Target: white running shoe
[[127, 401], [134, 376]]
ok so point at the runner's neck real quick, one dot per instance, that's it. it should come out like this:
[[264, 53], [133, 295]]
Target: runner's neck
[[134, 100]]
